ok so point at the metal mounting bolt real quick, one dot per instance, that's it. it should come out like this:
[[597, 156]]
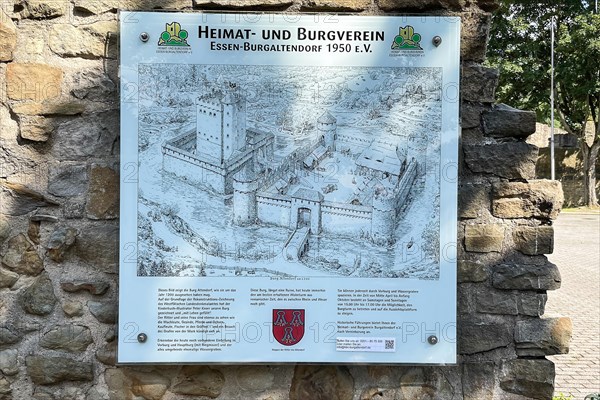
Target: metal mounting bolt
[[437, 40], [144, 37], [432, 339], [142, 337]]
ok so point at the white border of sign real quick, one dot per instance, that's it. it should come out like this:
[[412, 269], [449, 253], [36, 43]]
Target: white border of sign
[[424, 337]]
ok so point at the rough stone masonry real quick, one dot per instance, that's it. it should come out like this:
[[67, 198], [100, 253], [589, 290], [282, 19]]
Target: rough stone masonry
[[59, 192]]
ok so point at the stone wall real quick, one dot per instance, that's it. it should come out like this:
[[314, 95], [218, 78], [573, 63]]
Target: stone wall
[[59, 185], [568, 163], [569, 170]]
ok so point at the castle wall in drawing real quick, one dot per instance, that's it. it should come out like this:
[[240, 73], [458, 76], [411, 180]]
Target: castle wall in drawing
[[220, 146], [229, 157]]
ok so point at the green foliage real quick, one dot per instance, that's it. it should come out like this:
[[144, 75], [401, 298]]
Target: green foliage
[[578, 78], [520, 47]]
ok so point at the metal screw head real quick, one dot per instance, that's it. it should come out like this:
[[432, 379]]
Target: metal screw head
[[432, 339], [437, 40], [144, 37], [142, 337]]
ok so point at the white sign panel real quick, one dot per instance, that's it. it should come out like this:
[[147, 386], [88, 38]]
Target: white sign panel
[[288, 188]]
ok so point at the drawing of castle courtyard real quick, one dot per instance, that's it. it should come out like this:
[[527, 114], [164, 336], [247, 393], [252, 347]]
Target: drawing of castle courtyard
[[289, 171]]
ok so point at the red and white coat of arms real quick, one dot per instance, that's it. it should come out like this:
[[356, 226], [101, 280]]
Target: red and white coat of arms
[[288, 326]]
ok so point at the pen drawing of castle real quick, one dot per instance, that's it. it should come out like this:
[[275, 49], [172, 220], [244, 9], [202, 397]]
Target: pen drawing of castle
[[289, 171]]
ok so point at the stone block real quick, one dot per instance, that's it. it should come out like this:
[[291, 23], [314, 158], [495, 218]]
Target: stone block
[[333, 383], [471, 271], [464, 303], [478, 380], [532, 304], [487, 5], [70, 338], [340, 5], [7, 278], [490, 301], [528, 377], [73, 308], [21, 257], [47, 370], [526, 276], [4, 229], [478, 84], [540, 198], [95, 287], [5, 388], [196, 380], [534, 240], [9, 335], [103, 193], [17, 199], [110, 335], [118, 384], [39, 298], [543, 337], [423, 383], [74, 209], [470, 114], [480, 336], [394, 5], [107, 353], [68, 180], [103, 6], [236, 4], [60, 241], [511, 160], [98, 246], [33, 81], [383, 375], [104, 311], [148, 385], [42, 9], [94, 85], [33, 232], [8, 362], [8, 37], [35, 128], [87, 41], [496, 302], [256, 378], [484, 238], [475, 28], [473, 200], [89, 135], [505, 121]]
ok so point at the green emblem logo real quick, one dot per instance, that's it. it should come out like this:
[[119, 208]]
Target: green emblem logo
[[173, 35], [407, 39]]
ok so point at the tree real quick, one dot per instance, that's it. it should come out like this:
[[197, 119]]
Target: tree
[[520, 48]]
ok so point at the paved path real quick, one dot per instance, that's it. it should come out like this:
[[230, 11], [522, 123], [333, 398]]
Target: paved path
[[577, 254]]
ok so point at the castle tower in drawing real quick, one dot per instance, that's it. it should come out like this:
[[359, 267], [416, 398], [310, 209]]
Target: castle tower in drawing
[[221, 125], [327, 127], [383, 222], [244, 196], [221, 145]]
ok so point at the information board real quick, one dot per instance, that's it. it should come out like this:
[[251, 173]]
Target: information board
[[288, 188]]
